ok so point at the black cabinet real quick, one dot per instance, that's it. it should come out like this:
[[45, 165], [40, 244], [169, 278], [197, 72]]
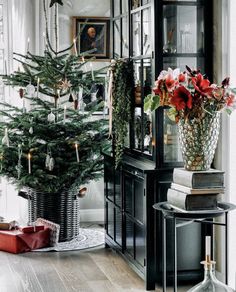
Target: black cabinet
[[156, 35]]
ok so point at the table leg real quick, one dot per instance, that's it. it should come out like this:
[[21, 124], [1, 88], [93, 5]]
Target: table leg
[[164, 255], [175, 254], [226, 248]]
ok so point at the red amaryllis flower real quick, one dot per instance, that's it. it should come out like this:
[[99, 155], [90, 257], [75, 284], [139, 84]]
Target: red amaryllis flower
[[202, 85], [182, 77], [181, 99], [159, 86], [170, 82], [230, 100]]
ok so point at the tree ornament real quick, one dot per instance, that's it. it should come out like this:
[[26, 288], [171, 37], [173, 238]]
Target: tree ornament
[[30, 89], [71, 98], [65, 84], [21, 92], [31, 131], [51, 117], [5, 139], [76, 104], [55, 1], [47, 160], [51, 164], [19, 165]]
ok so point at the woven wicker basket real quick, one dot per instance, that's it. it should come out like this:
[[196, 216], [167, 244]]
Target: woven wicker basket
[[61, 208]]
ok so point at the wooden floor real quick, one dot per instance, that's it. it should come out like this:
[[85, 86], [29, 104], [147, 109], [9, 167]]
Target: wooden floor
[[99, 270]]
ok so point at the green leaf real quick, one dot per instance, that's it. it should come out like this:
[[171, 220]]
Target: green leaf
[[172, 113]]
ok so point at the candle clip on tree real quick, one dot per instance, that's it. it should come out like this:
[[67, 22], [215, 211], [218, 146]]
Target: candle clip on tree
[[52, 149]]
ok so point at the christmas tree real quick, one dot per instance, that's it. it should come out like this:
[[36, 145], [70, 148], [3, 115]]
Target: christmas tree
[[51, 147]]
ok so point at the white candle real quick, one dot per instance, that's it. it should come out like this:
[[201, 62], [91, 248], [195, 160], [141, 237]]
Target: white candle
[[38, 80], [28, 44], [208, 247], [64, 120], [23, 100], [29, 163], [77, 152], [5, 67], [91, 66], [75, 48], [44, 40]]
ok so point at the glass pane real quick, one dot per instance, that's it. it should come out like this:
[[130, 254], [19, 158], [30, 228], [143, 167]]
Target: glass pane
[[125, 6], [138, 200], [136, 19], [193, 63], [147, 143], [138, 129], [140, 244], [117, 39], [146, 1], [129, 236], [183, 29], [137, 80], [136, 4], [1, 23], [147, 48], [110, 217], [116, 5], [109, 181], [117, 188], [125, 37], [2, 62], [172, 151], [118, 217]]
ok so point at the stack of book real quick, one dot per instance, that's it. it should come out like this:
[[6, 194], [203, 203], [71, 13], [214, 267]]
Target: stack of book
[[195, 190]]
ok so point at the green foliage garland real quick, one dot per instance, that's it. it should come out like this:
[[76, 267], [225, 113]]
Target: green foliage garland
[[122, 98]]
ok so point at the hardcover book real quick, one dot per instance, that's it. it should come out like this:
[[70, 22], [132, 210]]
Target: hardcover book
[[195, 191], [212, 178], [191, 202]]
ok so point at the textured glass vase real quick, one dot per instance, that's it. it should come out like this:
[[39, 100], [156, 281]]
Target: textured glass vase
[[198, 140], [210, 283]]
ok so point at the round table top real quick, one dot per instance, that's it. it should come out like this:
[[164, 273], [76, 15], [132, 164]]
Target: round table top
[[172, 211]]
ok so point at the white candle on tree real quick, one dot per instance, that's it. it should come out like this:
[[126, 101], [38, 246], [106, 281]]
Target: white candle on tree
[[75, 47], [38, 80], [29, 163], [64, 120], [77, 151], [91, 66], [28, 44]]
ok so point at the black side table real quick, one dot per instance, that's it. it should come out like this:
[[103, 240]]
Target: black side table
[[169, 212]]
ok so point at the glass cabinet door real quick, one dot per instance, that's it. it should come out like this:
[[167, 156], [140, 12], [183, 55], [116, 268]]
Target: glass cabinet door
[[183, 36]]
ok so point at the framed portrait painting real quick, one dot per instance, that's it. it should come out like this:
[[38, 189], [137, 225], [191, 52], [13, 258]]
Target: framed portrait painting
[[92, 36]]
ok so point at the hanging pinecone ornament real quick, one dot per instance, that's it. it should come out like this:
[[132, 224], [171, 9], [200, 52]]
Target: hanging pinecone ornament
[[21, 92]]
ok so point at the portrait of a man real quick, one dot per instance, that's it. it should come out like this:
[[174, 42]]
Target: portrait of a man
[[93, 36]]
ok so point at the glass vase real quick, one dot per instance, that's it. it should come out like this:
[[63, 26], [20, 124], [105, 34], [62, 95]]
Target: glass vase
[[210, 282], [198, 140]]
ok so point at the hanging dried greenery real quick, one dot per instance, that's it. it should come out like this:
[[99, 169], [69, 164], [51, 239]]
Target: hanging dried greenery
[[122, 98]]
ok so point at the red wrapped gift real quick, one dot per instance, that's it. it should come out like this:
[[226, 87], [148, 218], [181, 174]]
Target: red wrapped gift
[[15, 241], [30, 229]]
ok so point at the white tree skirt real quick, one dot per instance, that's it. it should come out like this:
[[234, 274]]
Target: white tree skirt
[[87, 238]]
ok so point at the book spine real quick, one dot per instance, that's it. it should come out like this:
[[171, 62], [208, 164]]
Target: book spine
[[198, 180], [190, 202]]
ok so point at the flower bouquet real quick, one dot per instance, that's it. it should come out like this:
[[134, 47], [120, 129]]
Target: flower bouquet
[[194, 103]]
